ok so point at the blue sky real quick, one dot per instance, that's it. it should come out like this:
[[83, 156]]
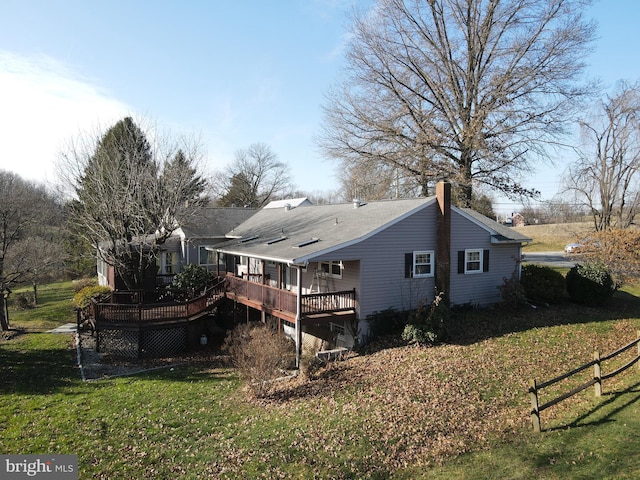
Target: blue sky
[[232, 72]]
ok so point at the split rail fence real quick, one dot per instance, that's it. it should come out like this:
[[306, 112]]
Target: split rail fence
[[598, 377]]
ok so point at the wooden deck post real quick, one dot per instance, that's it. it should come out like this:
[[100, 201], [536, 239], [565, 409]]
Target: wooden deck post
[[597, 374], [535, 412]]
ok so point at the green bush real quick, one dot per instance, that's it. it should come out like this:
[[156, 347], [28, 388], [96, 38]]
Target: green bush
[[419, 334], [590, 284], [192, 278], [83, 298], [542, 284], [428, 324]]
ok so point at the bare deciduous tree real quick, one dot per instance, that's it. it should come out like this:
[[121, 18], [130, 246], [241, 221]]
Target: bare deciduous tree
[[375, 182], [469, 90], [129, 192], [23, 207], [255, 177], [606, 177]]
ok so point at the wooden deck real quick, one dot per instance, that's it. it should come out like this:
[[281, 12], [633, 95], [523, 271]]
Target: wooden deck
[[140, 315], [316, 308]]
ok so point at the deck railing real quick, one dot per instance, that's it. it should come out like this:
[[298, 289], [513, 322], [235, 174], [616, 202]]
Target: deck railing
[[329, 302], [285, 300], [264, 295], [154, 312]]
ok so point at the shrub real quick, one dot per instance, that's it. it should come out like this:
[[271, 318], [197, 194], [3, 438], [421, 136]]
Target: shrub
[[542, 284], [84, 282], [83, 298], [24, 301], [386, 322], [428, 324], [590, 284], [512, 292], [192, 278], [259, 354]]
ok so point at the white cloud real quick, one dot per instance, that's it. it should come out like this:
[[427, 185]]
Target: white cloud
[[44, 103]]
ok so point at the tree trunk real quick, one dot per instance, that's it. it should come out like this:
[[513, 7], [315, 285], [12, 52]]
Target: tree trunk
[[4, 314], [466, 181]]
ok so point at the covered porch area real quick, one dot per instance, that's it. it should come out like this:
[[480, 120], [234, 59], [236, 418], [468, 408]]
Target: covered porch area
[[302, 311]]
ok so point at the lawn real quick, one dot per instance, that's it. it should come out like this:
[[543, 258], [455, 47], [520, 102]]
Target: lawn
[[553, 237], [457, 410]]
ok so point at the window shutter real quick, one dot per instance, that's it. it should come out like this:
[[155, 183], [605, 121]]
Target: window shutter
[[485, 261], [460, 261], [408, 265]]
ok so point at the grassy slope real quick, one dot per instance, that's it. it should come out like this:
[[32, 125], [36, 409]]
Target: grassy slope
[[458, 410], [553, 237]]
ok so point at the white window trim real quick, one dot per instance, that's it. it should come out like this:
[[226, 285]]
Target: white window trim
[[467, 271], [431, 264], [330, 272]]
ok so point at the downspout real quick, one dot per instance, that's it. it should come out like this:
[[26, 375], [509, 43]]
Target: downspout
[[298, 316]]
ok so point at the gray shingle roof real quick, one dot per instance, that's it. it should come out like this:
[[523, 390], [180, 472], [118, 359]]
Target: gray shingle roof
[[214, 222], [500, 233], [298, 235], [323, 227]]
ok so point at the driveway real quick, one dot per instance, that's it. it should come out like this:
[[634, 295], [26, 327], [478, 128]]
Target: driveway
[[553, 259]]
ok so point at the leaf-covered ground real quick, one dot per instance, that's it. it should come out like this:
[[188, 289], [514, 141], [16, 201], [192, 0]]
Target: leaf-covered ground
[[413, 405]]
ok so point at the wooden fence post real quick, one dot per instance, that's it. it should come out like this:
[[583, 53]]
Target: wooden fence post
[[597, 374], [535, 412]]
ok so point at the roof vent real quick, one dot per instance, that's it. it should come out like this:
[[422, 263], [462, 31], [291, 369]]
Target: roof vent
[[357, 203]]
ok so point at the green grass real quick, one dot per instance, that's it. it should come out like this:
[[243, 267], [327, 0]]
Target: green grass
[[53, 309], [194, 421]]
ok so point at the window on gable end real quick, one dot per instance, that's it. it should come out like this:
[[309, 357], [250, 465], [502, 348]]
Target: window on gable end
[[423, 264], [473, 261]]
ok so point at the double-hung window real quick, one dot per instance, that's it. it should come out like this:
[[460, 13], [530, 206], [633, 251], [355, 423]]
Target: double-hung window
[[423, 264], [473, 261]]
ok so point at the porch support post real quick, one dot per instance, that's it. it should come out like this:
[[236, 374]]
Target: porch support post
[[298, 316]]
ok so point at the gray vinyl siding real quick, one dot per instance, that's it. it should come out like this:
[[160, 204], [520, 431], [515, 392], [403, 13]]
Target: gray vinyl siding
[[479, 288], [382, 283], [350, 278], [192, 250]]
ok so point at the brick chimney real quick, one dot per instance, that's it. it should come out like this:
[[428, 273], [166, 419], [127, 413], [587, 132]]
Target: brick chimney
[[443, 239]]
